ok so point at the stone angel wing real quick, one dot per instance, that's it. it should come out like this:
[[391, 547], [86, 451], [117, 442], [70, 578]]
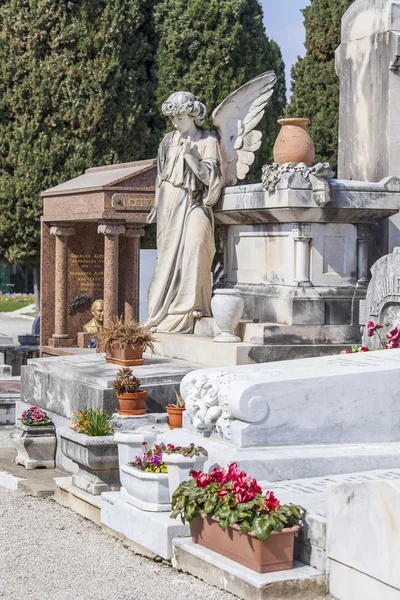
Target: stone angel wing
[[235, 119]]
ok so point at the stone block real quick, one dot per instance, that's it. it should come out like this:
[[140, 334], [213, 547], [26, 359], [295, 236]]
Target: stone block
[[7, 409], [326, 400], [298, 583], [68, 384], [363, 536], [76, 499], [84, 339], [150, 530]]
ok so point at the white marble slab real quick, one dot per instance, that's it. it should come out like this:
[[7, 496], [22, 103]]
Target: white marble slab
[[363, 532], [151, 530]]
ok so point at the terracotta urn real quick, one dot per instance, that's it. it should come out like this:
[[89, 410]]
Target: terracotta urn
[[132, 403], [294, 143], [127, 357]]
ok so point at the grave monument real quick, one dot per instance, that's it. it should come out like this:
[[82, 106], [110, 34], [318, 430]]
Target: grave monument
[[91, 229], [368, 66]]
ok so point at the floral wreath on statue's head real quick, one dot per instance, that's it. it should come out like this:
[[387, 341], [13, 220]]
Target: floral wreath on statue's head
[[180, 103]]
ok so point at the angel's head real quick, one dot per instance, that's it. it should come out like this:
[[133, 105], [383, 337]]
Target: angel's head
[[183, 108]]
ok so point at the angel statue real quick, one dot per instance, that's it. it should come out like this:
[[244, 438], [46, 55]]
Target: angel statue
[[193, 167]]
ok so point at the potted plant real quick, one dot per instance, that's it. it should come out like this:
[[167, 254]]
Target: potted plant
[[131, 399], [175, 412], [34, 438], [180, 460], [145, 481], [124, 343], [229, 515], [91, 446]]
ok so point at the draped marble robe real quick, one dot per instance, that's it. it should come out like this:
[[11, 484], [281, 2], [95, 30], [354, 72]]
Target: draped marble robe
[[181, 282]]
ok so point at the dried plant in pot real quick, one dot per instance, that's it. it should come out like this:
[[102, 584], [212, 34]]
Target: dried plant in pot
[[124, 343], [175, 412], [131, 399]]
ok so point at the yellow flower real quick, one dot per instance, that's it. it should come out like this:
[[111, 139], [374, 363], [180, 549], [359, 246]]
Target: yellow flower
[[74, 422]]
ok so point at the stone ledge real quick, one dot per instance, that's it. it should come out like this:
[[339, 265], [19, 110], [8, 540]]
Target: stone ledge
[[152, 531], [300, 583], [79, 501]]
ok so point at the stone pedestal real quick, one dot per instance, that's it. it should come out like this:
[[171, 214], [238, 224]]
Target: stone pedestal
[[36, 446]]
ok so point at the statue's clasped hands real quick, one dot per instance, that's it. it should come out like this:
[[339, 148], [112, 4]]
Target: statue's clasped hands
[[186, 146]]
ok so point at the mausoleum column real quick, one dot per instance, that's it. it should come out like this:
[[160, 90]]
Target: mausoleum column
[[131, 281], [302, 235], [364, 236], [61, 233], [111, 232]]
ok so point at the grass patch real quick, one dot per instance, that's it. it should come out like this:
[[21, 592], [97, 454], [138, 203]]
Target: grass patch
[[8, 306]]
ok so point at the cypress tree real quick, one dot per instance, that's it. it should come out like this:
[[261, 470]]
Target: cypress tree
[[76, 90], [315, 85], [210, 49]]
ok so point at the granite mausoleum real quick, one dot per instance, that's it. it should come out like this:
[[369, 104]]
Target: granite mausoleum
[[91, 229]]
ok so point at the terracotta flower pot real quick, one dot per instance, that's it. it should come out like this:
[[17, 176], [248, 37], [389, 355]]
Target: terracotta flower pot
[[275, 554], [294, 143], [132, 404], [127, 357], [175, 416]]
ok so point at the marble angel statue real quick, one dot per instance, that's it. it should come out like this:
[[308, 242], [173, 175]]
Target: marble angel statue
[[193, 167]]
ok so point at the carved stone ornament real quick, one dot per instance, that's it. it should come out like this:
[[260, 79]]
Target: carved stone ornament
[[215, 402], [111, 229], [62, 231], [318, 176], [134, 232]]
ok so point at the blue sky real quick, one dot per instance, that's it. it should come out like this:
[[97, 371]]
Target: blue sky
[[284, 23]]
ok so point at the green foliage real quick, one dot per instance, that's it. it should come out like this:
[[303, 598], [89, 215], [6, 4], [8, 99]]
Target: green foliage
[[315, 85], [76, 90], [188, 451], [190, 502], [93, 423], [210, 49]]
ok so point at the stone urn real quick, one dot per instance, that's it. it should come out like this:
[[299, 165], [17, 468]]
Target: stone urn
[[147, 491], [179, 468], [130, 444], [294, 143], [96, 457], [227, 307], [36, 445]]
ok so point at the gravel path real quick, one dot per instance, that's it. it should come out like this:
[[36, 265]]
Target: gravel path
[[48, 551]]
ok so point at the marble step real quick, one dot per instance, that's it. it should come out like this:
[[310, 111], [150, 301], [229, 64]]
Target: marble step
[[298, 583]]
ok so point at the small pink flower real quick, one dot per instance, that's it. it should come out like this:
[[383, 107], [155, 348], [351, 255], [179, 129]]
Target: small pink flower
[[372, 327], [343, 352]]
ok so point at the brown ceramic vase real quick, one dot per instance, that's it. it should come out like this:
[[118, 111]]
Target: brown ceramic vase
[[275, 554], [294, 143], [127, 357], [132, 404], [175, 416]]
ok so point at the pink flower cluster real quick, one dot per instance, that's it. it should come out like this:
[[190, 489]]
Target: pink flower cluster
[[34, 413], [271, 503], [233, 480]]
